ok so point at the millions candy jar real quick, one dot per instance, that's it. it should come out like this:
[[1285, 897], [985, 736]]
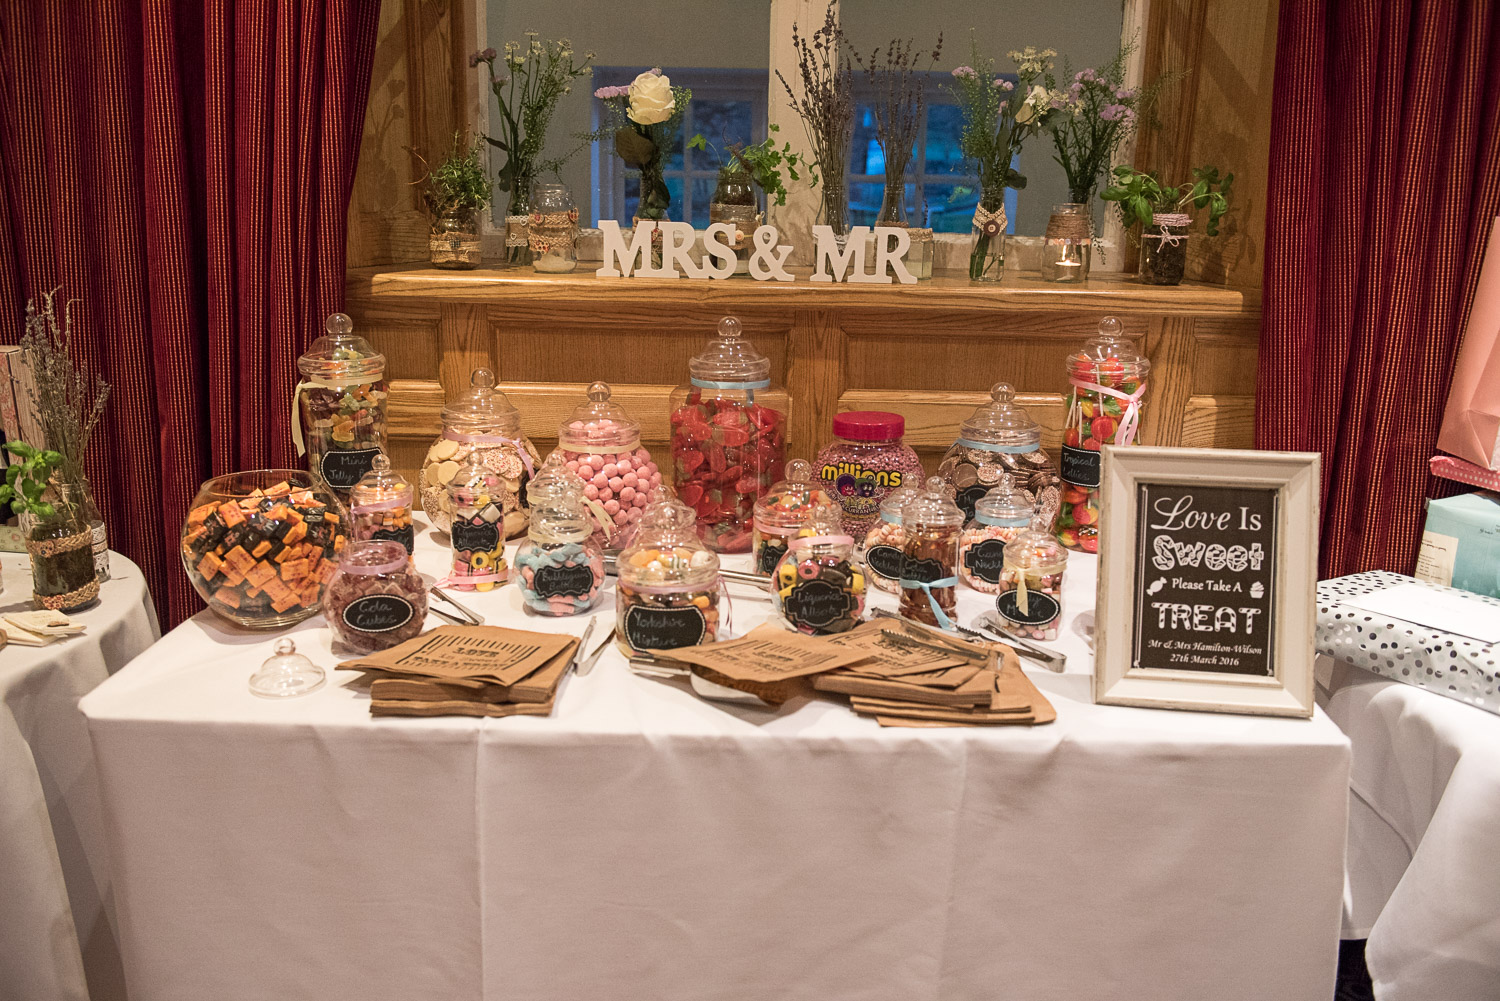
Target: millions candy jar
[[998, 438], [341, 406], [561, 566], [885, 541], [475, 495], [668, 592], [375, 599], [929, 565], [1108, 380], [1030, 598], [380, 506], [1000, 516], [782, 511], [817, 586], [866, 461], [727, 446], [481, 422], [601, 444]]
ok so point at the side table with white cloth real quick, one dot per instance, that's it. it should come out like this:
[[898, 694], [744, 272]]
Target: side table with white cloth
[[56, 937], [644, 843]]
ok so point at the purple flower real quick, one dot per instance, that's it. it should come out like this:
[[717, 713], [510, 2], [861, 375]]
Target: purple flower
[[605, 93], [1075, 91], [1113, 112], [481, 57], [1124, 93], [656, 71], [963, 72], [1004, 84]]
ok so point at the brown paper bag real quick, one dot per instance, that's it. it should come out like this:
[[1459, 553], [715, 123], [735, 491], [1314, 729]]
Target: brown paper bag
[[766, 655], [1471, 420]]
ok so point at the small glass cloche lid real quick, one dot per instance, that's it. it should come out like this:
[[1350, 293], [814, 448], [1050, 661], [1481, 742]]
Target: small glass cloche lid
[[483, 408], [558, 513], [667, 549], [789, 503], [1001, 422], [599, 425], [1037, 547], [287, 673], [1004, 505], [340, 357], [730, 362], [475, 480], [381, 487], [932, 508]]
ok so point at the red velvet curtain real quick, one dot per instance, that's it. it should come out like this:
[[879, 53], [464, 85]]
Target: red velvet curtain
[[183, 171], [1384, 180]]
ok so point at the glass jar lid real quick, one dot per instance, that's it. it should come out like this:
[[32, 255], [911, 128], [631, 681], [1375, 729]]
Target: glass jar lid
[[823, 529], [667, 550], [599, 425], [557, 510], [482, 408], [1001, 422], [375, 558], [1109, 357], [932, 508], [893, 506], [1004, 505], [287, 673], [381, 488], [1037, 547], [789, 503], [341, 358], [474, 478], [729, 362]]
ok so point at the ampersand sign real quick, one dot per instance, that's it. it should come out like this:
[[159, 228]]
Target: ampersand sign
[[765, 263]]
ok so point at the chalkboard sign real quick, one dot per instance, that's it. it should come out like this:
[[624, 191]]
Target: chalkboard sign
[[986, 559], [1041, 607], [378, 613], [471, 538], [342, 468], [884, 561], [772, 550], [1205, 578], [924, 571], [968, 497], [563, 582], [1079, 466], [406, 536], [817, 604], [648, 628]]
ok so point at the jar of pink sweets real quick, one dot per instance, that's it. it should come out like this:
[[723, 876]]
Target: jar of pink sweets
[[999, 516], [728, 445], [784, 510], [866, 461], [601, 444], [476, 498], [883, 543], [1030, 600]]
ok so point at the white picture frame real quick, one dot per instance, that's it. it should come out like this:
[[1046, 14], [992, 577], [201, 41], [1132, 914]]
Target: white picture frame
[[1208, 496]]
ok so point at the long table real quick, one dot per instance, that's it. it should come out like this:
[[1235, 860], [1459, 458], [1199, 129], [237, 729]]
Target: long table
[[644, 843]]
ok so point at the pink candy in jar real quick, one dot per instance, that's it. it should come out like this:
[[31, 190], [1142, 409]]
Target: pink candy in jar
[[601, 445], [866, 461]]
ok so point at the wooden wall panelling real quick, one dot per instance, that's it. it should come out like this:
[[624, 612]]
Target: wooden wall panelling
[[815, 377]]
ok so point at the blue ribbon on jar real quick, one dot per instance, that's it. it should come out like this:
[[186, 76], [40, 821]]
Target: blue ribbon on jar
[[942, 617], [989, 446], [986, 519]]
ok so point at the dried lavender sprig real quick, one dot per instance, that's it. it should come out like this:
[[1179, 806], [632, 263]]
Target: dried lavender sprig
[[69, 403]]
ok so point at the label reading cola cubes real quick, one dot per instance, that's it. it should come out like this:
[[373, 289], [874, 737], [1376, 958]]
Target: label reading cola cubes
[[1080, 466], [664, 628], [378, 613]]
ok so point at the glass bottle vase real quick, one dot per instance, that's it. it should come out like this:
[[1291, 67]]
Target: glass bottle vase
[[518, 223], [987, 257], [833, 210], [1068, 247], [553, 232], [61, 550]]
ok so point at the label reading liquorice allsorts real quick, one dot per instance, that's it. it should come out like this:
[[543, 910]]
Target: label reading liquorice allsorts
[[923, 571], [406, 536], [343, 468], [648, 628], [471, 538], [1079, 466], [378, 613], [1041, 607], [968, 497], [884, 561], [563, 582], [985, 560], [817, 604]]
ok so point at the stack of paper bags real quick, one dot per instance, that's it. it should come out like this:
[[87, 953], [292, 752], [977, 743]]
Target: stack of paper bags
[[36, 628], [469, 671]]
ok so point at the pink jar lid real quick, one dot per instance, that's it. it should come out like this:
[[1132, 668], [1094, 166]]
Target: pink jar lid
[[869, 425]]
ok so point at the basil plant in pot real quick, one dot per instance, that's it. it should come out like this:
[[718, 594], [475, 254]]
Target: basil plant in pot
[[1164, 213], [57, 535]]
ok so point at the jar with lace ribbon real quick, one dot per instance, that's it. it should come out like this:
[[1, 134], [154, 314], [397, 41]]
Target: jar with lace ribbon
[[987, 257], [1164, 249], [553, 231], [481, 421], [338, 418]]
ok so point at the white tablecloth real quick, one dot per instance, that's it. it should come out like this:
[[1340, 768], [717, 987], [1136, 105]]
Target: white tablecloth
[[643, 843], [1424, 836], [56, 939]]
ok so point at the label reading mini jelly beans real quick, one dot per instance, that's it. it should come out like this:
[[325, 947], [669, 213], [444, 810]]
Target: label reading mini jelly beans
[[1080, 466], [341, 469], [471, 538], [664, 628], [986, 559], [564, 582]]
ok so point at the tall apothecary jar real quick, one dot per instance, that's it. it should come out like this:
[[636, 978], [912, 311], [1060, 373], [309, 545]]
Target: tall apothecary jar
[[553, 233], [341, 401]]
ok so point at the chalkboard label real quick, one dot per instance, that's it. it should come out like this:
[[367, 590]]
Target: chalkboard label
[[968, 497], [378, 613], [648, 628], [884, 561], [1205, 579], [772, 549], [986, 559], [406, 536], [923, 571], [563, 582], [1041, 607], [817, 604], [342, 469], [471, 538], [1080, 466]]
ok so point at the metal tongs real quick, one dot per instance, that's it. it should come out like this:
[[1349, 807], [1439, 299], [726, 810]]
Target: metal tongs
[[469, 616], [989, 631]]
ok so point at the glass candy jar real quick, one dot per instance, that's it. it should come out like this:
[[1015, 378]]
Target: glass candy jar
[[601, 444], [784, 510], [1108, 381], [885, 542], [727, 446], [668, 592], [929, 560], [919, 257], [341, 405], [259, 546], [1164, 249], [999, 438], [561, 566], [1068, 246], [454, 242], [380, 507], [734, 203], [553, 233], [476, 497], [480, 422], [818, 587], [1029, 602], [999, 517], [865, 461], [376, 599]]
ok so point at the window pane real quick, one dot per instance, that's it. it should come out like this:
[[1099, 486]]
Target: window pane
[[945, 126], [674, 162], [864, 202], [674, 185], [703, 194], [950, 205], [721, 123], [867, 157]]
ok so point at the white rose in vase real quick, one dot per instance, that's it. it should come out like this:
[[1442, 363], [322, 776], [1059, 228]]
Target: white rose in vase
[[651, 100]]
